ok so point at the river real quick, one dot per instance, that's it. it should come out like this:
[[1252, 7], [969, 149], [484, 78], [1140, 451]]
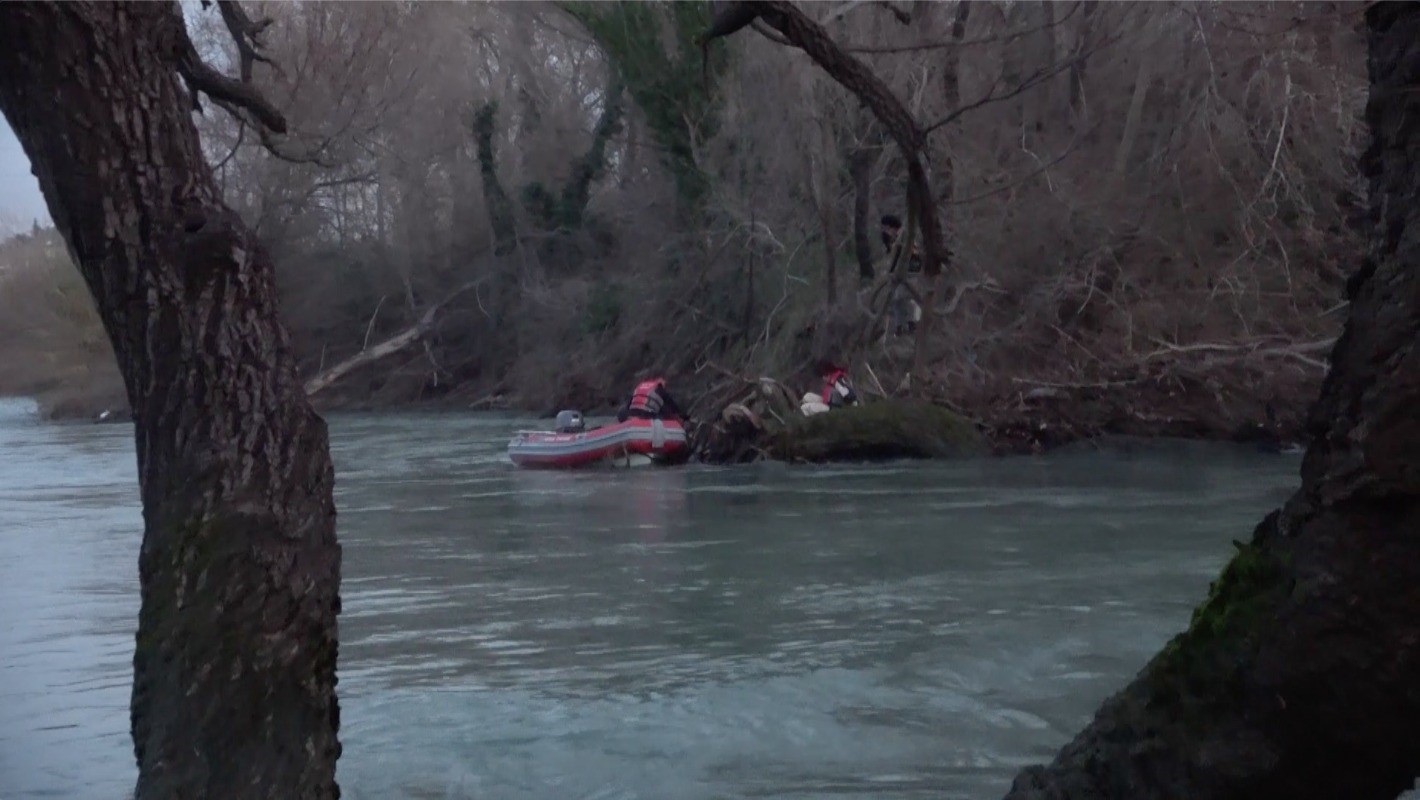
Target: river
[[906, 630]]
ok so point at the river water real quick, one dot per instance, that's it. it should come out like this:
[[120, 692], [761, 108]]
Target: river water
[[907, 630]]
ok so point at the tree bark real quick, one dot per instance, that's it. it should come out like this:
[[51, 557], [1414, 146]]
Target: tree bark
[[234, 665], [860, 166], [1084, 39], [501, 216], [1298, 677]]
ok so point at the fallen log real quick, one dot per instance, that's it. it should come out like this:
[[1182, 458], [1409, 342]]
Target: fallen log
[[876, 431], [883, 430], [384, 349]]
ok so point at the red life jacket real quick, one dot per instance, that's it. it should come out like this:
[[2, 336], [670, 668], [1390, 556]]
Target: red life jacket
[[829, 380], [646, 398]]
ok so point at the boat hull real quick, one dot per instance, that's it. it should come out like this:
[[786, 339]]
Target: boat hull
[[631, 443]]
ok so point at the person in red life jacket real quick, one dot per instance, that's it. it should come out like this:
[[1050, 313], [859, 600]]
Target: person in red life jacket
[[650, 400], [837, 390]]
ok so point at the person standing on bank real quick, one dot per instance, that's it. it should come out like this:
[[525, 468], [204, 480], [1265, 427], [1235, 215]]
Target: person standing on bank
[[905, 311]]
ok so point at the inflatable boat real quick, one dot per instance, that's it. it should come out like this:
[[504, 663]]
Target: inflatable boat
[[635, 442]]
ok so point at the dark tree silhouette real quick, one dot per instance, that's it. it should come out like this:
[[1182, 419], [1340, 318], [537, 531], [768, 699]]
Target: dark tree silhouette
[[234, 669], [1300, 676]]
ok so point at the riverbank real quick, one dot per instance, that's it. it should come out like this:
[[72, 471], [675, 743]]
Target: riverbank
[[1022, 417], [1040, 417]]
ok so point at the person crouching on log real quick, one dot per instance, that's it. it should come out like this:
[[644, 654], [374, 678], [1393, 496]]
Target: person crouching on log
[[650, 400], [837, 389]]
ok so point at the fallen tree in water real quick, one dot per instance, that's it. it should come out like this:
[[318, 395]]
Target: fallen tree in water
[[881, 430], [888, 429], [394, 344]]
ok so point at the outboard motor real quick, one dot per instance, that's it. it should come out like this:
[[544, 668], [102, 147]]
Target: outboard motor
[[570, 422]]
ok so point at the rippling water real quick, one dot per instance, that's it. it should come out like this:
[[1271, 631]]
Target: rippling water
[[900, 631]]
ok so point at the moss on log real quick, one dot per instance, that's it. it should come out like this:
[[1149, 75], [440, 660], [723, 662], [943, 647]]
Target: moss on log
[[888, 429]]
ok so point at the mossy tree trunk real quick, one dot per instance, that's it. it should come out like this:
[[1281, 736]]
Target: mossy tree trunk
[[567, 210], [1300, 676], [234, 670], [669, 77], [501, 215], [592, 164]]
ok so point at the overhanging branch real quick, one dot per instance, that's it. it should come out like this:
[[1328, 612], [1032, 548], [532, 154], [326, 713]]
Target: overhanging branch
[[245, 33], [801, 31], [202, 78]]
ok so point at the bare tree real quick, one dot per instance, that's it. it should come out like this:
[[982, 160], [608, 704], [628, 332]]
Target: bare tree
[[234, 669]]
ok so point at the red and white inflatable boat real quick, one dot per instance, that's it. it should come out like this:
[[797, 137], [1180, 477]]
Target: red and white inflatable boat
[[635, 442]]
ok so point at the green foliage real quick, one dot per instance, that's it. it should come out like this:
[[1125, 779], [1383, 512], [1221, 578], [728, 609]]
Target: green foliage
[[541, 204], [585, 170], [550, 211], [1237, 600], [566, 211], [1200, 665], [673, 89]]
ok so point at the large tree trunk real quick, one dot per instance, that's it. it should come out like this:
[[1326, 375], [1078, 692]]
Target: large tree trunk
[[1300, 676], [860, 167], [234, 668], [501, 216]]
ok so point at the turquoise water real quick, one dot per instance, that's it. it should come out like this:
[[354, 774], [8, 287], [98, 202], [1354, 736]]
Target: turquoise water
[[907, 630]]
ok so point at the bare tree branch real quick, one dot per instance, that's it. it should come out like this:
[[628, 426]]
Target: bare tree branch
[[1008, 36], [1064, 154], [390, 346], [244, 32], [1034, 79], [241, 134], [201, 77], [280, 147]]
